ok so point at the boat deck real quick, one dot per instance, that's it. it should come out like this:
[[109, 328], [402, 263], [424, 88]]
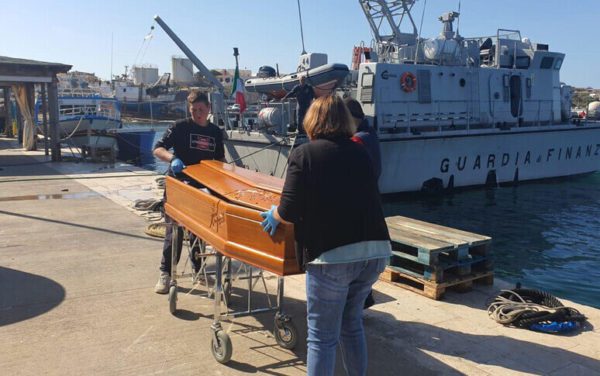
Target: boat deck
[[77, 275]]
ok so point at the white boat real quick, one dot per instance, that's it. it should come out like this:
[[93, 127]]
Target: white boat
[[86, 117], [322, 76], [89, 121], [451, 111]]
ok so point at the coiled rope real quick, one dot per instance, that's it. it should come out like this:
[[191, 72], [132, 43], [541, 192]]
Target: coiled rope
[[535, 310]]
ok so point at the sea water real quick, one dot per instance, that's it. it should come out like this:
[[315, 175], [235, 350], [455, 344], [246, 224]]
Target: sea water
[[545, 235]]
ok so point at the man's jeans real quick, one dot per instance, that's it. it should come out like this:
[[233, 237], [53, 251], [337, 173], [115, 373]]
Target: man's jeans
[[165, 263], [336, 295]]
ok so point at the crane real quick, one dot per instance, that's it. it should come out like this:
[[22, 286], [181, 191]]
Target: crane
[[190, 55]]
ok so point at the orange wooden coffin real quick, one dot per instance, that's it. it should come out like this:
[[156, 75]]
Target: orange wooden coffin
[[229, 219]]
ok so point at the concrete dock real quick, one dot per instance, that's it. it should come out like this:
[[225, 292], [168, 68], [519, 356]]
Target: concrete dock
[[76, 297]]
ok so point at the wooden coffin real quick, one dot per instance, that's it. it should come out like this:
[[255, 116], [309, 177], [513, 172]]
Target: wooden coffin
[[229, 218]]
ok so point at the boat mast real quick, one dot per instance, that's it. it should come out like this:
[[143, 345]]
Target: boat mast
[[111, 60]]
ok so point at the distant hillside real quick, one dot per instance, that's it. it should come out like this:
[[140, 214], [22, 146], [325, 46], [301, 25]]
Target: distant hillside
[[584, 96]]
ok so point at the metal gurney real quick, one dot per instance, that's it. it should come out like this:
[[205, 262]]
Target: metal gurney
[[228, 218]]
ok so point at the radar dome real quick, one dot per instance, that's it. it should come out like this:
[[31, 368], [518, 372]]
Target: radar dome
[[435, 49]]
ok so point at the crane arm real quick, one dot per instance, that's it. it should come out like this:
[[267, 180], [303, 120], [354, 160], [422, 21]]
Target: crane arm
[[190, 55]]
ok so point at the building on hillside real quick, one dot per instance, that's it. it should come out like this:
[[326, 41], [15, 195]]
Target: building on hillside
[[226, 75]]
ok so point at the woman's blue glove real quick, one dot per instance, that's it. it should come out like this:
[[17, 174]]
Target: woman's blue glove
[[270, 223], [177, 165]]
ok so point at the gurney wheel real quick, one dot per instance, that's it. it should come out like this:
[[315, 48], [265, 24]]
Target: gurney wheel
[[173, 299], [285, 333], [223, 348]]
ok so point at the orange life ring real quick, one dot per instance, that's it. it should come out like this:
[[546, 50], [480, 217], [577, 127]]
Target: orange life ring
[[408, 81]]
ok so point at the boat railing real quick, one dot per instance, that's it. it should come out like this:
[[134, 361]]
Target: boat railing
[[500, 34], [96, 108], [79, 92], [275, 122], [413, 121], [287, 115]]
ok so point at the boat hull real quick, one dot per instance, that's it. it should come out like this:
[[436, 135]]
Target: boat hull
[[93, 132], [487, 159], [451, 161], [136, 145], [258, 151], [85, 120]]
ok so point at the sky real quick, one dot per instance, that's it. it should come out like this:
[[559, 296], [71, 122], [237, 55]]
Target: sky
[[104, 36]]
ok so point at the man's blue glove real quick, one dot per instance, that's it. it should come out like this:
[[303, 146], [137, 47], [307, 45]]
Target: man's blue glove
[[270, 223], [177, 165]]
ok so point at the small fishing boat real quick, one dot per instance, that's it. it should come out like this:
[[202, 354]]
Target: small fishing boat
[[87, 116], [89, 121]]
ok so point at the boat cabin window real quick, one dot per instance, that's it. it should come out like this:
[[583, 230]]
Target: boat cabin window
[[558, 64], [367, 80], [547, 62]]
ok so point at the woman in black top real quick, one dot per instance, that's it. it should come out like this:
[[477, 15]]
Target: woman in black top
[[331, 196]]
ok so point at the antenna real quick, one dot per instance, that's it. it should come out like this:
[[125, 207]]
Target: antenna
[[301, 31], [458, 21], [111, 58]]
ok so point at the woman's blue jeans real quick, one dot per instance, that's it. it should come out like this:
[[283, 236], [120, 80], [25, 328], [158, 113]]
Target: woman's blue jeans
[[336, 295]]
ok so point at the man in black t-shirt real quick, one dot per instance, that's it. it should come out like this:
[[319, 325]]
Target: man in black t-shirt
[[304, 94], [192, 140]]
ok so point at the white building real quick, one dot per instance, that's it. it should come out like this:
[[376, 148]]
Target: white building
[[144, 74], [182, 70]]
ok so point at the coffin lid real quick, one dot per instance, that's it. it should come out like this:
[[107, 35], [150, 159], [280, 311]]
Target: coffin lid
[[237, 184]]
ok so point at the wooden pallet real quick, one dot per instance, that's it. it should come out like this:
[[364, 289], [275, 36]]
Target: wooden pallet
[[431, 289], [442, 272], [431, 244]]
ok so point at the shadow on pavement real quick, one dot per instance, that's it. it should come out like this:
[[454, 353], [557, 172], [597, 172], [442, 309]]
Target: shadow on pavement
[[73, 224], [398, 347], [509, 353], [24, 295]]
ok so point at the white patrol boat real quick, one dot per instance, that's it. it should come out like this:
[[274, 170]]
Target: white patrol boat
[[454, 112], [451, 111]]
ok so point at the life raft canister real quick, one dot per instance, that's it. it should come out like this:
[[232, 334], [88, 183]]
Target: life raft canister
[[408, 81]]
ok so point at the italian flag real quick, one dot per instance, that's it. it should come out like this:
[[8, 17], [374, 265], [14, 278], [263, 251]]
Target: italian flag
[[238, 90]]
